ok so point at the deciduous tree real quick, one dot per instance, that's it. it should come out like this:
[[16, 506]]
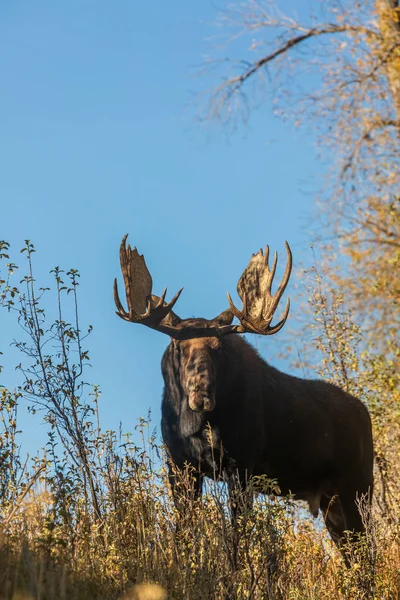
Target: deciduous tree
[[339, 70]]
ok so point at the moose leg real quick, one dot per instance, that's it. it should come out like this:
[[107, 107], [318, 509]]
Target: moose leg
[[334, 517], [342, 514], [240, 497], [186, 487], [240, 504]]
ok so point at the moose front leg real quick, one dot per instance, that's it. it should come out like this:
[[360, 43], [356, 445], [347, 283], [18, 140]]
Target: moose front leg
[[186, 487], [240, 496], [240, 504]]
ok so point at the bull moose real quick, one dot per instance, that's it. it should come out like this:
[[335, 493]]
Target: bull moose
[[224, 405]]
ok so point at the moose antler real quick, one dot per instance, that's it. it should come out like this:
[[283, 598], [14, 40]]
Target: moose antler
[[151, 310], [143, 306], [254, 289]]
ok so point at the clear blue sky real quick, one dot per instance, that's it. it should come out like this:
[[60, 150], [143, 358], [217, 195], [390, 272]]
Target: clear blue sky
[[97, 140]]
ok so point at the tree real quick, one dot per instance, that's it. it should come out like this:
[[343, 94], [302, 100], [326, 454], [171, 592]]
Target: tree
[[351, 54], [53, 378]]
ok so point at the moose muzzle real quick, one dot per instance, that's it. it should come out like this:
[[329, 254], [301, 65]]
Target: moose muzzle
[[199, 402]]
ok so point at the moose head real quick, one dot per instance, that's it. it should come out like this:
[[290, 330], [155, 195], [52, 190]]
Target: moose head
[[199, 340]]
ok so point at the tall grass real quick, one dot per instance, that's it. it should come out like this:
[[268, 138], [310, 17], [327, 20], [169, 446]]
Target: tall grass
[[54, 546]]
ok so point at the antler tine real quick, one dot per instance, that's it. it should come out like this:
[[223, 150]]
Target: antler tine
[[286, 276], [266, 255], [124, 262], [236, 312], [281, 323], [272, 272], [270, 302], [161, 300], [121, 312], [172, 303]]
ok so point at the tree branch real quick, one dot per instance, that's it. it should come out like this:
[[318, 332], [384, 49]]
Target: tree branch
[[238, 81]]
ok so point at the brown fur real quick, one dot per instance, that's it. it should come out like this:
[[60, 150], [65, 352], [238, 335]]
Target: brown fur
[[310, 435]]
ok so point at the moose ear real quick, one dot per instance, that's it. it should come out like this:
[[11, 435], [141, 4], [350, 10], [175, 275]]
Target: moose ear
[[225, 318]]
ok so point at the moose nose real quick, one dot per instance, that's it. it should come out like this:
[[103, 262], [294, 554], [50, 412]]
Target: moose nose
[[196, 406], [199, 403]]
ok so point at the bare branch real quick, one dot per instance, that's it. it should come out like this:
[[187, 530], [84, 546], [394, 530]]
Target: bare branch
[[288, 45]]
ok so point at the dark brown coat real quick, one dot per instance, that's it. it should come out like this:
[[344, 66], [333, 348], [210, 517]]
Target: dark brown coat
[[310, 435]]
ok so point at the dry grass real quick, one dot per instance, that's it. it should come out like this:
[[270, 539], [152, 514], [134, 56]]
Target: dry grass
[[282, 553]]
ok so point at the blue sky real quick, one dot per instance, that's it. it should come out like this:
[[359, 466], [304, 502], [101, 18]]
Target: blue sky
[[99, 138]]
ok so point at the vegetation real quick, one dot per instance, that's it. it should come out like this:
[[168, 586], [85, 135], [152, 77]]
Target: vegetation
[[94, 515]]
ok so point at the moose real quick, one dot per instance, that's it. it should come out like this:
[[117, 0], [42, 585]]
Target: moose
[[228, 413]]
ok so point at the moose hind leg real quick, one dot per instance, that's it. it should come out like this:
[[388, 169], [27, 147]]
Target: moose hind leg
[[335, 520], [342, 514]]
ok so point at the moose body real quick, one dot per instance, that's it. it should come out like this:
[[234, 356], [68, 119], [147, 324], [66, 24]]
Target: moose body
[[310, 435], [229, 414]]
